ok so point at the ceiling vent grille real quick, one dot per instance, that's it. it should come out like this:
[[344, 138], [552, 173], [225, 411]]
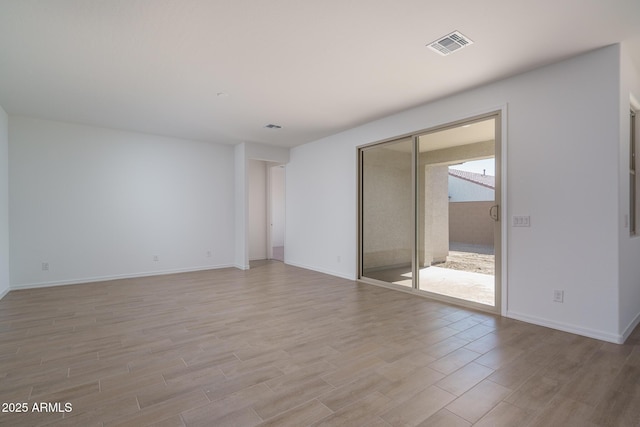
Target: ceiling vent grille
[[272, 126], [450, 43]]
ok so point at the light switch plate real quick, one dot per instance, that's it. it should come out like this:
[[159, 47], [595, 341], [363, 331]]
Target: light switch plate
[[521, 221]]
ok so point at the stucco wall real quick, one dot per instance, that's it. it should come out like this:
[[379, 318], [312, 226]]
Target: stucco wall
[[469, 222], [387, 204]]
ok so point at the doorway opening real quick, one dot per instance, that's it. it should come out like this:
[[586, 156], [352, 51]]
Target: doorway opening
[[276, 212], [429, 212], [266, 211]]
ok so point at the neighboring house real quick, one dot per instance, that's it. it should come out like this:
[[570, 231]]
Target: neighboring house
[[467, 186], [471, 195]]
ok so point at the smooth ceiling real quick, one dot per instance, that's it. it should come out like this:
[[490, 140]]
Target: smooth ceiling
[[313, 67]]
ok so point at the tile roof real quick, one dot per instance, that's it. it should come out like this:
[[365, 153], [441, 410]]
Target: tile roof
[[477, 178]]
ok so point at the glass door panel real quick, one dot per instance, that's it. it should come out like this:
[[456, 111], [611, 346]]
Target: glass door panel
[[429, 212], [387, 212], [456, 183]]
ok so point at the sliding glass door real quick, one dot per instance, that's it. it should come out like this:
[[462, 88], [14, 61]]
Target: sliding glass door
[[456, 191], [387, 226], [429, 212]]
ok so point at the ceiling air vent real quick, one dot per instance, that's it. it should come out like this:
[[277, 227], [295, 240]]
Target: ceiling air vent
[[450, 43], [272, 126]]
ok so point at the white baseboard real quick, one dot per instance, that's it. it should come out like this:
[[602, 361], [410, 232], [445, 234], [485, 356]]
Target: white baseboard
[[320, 270], [578, 330], [115, 277], [635, 322], [3, 293]]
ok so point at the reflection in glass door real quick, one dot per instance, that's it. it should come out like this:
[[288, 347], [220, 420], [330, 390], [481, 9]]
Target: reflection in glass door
[[387, 201], [429, 212]]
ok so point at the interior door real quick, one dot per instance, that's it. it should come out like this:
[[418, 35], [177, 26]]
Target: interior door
[[276, 212]]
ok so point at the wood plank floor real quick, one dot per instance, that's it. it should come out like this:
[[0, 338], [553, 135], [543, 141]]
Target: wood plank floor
[[283, 346]]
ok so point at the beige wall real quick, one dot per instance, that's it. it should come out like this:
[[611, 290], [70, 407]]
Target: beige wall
[[469, 222], [387, 204]]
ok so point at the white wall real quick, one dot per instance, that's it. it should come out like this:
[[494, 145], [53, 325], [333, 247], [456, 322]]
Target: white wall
[[561, 118], [97, 203], [629, 246], [257, 174], [241, 202], [321, 206], [461, 190], [4, 203]]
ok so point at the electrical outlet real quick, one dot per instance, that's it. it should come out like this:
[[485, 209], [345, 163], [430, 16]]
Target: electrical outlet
[[155, 258], [339, 258], [558, 296], [209, 254], [45, 266]]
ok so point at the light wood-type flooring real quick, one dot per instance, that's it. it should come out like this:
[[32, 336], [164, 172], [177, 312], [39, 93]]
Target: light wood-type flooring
[[282, 346]]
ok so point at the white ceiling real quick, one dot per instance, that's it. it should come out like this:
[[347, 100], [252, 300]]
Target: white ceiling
[[313, 67]]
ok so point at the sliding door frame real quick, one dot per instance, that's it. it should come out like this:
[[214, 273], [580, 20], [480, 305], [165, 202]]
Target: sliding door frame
[[500, 234], [360, 228]]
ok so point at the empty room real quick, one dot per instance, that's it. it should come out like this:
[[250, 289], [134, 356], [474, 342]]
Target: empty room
[[281, 213]]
